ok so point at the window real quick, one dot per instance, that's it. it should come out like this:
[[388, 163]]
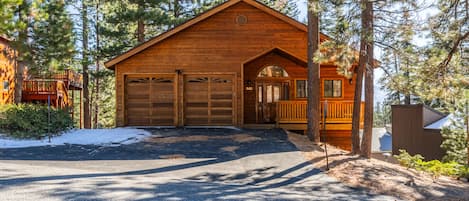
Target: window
[[332, 88], [301, 89], [6, 86], [273, 71]]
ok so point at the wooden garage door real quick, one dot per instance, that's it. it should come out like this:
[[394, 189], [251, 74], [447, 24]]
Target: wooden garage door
[[208, 99], [150, 100]]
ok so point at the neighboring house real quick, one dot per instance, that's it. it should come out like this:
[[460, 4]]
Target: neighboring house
[[7, 71], [416, 129], [57, 87], [239, 64]]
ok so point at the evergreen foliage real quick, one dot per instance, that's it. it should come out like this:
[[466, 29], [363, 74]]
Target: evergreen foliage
[[434, 167], [53, 42], [286, 7], [32, 121], [455, 138], [7, 22]]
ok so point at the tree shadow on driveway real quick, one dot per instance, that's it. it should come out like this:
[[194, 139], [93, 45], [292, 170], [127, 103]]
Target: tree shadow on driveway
[[262, 173]]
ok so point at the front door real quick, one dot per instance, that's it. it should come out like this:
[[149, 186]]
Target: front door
[[268, 94]]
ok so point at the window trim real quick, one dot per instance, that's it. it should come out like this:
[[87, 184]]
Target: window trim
[[273, 65], [296, 88], [5, 90], [332, 78]]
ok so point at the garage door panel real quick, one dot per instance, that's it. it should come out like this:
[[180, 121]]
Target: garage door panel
[[208, 99], [150, 100]]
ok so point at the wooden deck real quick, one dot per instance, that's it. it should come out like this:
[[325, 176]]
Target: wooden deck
[[58, 87]]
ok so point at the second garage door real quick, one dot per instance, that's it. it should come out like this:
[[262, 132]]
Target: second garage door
[[209, 99]]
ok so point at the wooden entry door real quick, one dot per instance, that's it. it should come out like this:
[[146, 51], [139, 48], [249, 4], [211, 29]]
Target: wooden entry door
[[268, 94]]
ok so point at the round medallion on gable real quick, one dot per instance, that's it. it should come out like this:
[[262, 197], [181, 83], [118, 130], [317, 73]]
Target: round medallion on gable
[[241, 19]]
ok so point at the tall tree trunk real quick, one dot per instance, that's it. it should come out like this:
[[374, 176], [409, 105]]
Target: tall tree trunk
[[140, 24], [96, 109], [313, 73], [85, 62], [18, 57], [369, 80], [407, 93], [357, 99]]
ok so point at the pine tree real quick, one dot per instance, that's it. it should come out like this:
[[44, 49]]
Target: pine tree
[[455, 137], [130, 22], [53, 42], [7, 14], [443, 73], [286, 7], [367, 38]]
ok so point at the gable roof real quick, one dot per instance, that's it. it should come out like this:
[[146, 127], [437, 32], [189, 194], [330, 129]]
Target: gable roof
[[111, 63]]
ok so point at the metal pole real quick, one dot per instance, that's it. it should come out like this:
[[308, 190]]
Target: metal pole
[[324, 129], [48, 117]]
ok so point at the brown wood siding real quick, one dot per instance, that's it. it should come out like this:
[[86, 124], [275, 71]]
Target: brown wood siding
[[408, 131], [7, 72]]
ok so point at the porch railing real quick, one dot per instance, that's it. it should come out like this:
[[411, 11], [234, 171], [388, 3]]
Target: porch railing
[[296, 111], [31, 88], [39, 87], [68, 76]]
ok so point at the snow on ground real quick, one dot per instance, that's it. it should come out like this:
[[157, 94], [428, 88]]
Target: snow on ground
[[103, 137]]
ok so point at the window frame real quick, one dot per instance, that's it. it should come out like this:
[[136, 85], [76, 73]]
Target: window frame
[[6, 83], [273, 77], [296, 88], [332, 79]]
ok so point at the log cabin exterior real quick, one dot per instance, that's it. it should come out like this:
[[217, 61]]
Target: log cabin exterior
[[58, 86], [238, 64], [7, 71]]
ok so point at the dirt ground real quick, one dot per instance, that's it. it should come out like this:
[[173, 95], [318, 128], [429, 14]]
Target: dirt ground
[[381, 177]]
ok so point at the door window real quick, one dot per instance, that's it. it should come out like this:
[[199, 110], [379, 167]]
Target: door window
[[269, 93]]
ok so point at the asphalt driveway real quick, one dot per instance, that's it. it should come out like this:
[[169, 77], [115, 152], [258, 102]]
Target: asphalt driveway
[[174, 164]]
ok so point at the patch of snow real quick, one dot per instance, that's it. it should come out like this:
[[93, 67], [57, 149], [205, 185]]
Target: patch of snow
[[443, 122], [102, 137]]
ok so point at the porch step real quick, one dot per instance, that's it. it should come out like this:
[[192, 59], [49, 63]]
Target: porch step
[[259, 126]]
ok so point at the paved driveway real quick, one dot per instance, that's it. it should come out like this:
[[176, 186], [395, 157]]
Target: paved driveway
[[175, 164]]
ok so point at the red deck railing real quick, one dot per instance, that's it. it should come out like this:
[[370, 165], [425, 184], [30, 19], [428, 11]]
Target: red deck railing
[[68, 76]]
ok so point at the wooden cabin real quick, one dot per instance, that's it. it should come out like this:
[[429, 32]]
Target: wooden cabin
[[57, 87], [239, 64], [7, 71]]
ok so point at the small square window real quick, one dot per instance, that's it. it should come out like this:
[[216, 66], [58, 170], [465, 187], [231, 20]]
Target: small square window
[[6, 86], [332, 88]]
